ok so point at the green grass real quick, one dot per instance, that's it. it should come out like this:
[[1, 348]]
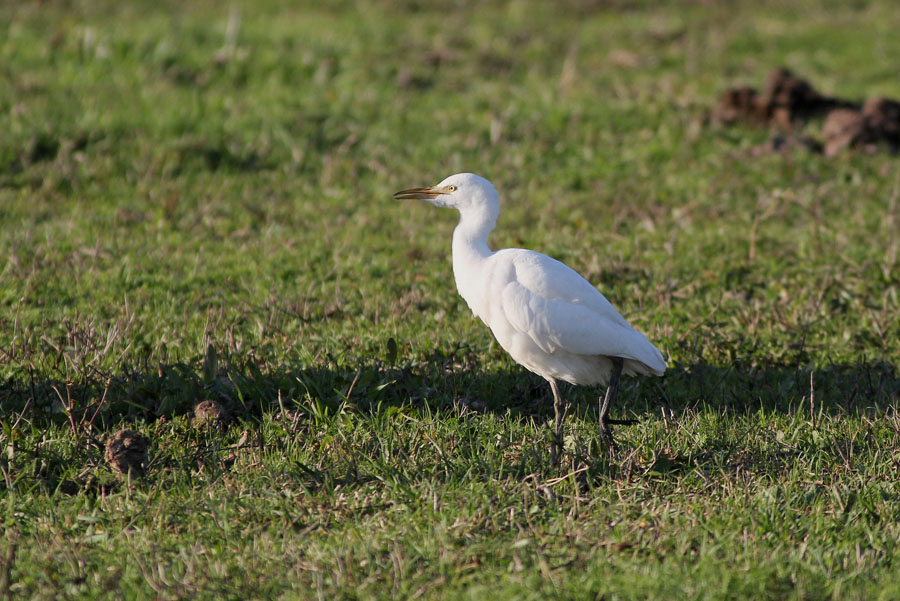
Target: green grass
[[182, 176]]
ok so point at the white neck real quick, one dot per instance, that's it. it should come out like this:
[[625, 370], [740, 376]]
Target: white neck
[[470, 250]]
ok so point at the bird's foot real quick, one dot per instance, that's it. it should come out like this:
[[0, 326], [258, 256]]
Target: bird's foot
[[606, 437], [556, 452]]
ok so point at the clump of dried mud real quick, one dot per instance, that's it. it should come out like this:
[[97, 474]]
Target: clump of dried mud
[[788, 101], [126, 453], [210, 412]]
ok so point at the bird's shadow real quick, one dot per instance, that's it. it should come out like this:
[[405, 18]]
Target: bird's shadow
[[736, 388], [446, 379], [449, 380]]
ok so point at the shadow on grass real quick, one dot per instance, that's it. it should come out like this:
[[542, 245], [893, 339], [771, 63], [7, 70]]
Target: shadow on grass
[[448, 381], [441, 380]]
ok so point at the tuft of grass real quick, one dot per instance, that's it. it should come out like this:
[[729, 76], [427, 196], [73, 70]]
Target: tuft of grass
[[195, 206]]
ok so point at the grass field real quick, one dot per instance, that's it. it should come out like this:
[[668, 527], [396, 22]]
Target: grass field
[[195, 203]]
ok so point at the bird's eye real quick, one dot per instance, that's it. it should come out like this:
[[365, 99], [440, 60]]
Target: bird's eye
[[451, 188]]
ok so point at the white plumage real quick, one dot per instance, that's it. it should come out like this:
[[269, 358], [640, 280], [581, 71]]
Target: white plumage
[[546, 316]]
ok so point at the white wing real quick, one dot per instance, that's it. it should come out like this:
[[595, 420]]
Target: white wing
[[558, 309]]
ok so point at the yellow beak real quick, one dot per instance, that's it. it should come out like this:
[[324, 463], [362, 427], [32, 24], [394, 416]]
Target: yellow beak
[[420, 193]]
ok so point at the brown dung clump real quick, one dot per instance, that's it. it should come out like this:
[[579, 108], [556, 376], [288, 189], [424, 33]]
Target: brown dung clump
[[877, 122], [206, 412], [126, 452], [789, 100], [785, 100]]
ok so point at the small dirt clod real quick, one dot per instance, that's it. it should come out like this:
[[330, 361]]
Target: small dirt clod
[[878, 121], [126, 452], [210, 412], [842, 128], [883, 117]]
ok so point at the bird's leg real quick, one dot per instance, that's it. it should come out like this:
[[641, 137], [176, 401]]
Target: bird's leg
[[612, 392], [559, 414]]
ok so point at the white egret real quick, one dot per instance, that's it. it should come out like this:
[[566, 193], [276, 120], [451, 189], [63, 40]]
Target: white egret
[[547, 317]]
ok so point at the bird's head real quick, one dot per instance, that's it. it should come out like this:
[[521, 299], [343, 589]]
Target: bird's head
[[463, 191]]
